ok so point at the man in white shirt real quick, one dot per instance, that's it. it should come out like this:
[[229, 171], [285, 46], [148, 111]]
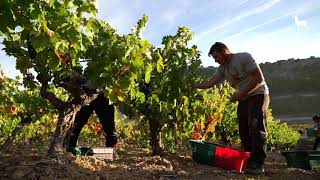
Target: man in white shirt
[[245, 75]]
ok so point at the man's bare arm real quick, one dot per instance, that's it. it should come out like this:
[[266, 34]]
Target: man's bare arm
[[216, 79]]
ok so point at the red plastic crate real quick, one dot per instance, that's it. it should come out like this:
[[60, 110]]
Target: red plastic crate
[[231, 159]]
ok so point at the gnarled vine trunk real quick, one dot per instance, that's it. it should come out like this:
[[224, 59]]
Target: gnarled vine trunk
[[58, 141], [155, 139], [67, 112]]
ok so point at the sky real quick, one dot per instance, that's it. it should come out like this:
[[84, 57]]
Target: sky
[[270, 30]]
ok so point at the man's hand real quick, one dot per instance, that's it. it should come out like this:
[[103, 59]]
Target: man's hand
[[237, 96]]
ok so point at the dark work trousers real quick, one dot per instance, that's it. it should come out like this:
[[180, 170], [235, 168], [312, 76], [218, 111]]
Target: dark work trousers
[[252, 117], [316, 143], [105, 113]]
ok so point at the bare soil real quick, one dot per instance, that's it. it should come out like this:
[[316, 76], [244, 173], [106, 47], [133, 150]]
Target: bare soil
[[133, 164]]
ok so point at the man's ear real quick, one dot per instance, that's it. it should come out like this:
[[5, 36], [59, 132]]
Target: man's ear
[[226, 51]]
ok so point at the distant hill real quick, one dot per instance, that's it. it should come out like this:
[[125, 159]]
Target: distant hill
[[293, 76], [294, 86]]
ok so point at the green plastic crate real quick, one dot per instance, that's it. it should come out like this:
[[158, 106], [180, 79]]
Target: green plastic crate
[[82, 151], [314, 159], [297, 159], [203, 152]]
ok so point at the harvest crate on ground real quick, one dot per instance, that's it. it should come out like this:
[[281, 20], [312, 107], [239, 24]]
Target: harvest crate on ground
[[302, 159], [101, 153], [217, 155], [314, 160], [231, 159], [203, 152]]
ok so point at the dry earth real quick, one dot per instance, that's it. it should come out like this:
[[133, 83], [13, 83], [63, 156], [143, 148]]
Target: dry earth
[[133, 164]]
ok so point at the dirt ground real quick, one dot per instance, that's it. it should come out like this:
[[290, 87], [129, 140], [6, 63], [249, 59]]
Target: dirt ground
[[133, 164]]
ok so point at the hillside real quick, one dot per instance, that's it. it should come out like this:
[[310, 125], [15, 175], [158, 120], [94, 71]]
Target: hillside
[[300, 76], [294, 86]]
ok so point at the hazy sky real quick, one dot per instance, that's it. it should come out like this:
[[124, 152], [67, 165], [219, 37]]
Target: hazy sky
[[268, 29]]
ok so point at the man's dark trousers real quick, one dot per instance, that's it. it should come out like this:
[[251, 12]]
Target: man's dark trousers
[[252, 117], [316, 143], [105, 113]]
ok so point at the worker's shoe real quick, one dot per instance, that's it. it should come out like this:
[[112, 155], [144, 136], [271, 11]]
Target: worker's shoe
[[70, 142], [70, 149], [111, 141], [254, 169]]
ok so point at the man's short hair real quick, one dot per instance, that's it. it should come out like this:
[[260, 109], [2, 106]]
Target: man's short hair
[[315, 117], [218, 47]]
